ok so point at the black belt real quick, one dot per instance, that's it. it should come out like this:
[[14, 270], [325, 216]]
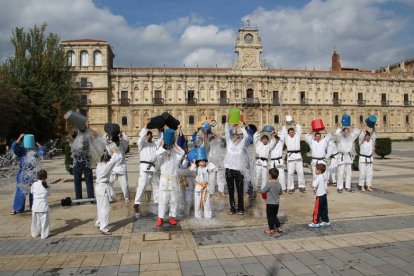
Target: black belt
[[278, 158], [342, 155], [367, 156], [150, 164], [262, 158], [318, 158], [333, 155], [293, 151]]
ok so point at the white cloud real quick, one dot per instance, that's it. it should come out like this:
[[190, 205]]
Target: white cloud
[[207, 35], [306, 37], [208, 57]]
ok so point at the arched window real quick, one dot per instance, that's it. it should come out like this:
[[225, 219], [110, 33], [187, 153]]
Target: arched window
[[249, 93], [223, 119], [191, 120], [361, 119], [97, 58], [276, 119], [336, 119], [71, 59], [407, 119], [124, 121], [384, 119], [84, 58]]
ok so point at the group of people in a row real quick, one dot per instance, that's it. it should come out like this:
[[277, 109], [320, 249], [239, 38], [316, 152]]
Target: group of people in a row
[[171, 167]]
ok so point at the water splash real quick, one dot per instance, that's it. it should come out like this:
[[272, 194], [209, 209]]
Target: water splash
[[87, 148]]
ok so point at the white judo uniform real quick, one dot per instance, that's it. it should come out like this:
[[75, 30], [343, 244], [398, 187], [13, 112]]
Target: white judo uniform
[[261, 163], [104, 191], [294, 158], [147, 167], [365, 159], [345, 156], [203, 190], [40, 210], [318, 151], [215, 155], [169, 188], [276, 160], [332, 158], [120, 170]]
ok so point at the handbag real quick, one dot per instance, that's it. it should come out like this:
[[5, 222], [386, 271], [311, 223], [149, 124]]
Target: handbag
[[264, 196]]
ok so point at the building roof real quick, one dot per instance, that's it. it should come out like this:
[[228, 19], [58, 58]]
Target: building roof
[[84, 40]]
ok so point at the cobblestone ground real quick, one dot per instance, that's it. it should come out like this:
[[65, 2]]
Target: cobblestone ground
[[371, 233]]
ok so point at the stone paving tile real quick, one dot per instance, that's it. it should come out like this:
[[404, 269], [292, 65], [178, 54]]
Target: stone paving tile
[[232, 266], [213, 237], [54, 245], [191, 268], [128, 268], [146, 224], [296, 267], [409, 200], [256, 269]]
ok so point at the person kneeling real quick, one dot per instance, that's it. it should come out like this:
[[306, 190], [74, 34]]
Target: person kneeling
[[104, 191], [319, 185]]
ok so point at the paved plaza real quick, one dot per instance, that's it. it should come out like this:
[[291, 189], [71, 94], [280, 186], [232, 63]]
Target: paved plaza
[[372, 233]]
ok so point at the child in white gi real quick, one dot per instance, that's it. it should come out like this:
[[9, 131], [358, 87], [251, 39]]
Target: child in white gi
[[217, 177], [203, 189], [103, 190], [345, 141], [294, 158], [168, 192], [318, 147], [276, 159], [120, 170], [263, 148], [40, 208], [147, 165], [320, 212], [366, 147]]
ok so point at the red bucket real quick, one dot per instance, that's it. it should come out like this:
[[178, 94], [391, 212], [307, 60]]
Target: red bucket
[[317, 125]]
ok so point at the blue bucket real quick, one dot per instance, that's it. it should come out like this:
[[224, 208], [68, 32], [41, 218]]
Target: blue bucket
[[268, 128], [169, 137], [191, 155], [346, 120], [205, 127], [371, 120], [201, 154], [29, 141]]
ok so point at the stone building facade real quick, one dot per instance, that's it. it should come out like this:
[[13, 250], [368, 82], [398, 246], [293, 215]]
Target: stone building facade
[[130, 95]]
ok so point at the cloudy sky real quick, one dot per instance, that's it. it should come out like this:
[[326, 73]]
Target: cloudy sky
[[295, 34]]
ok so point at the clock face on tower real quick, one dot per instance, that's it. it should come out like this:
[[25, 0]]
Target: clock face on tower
[[248, 38]]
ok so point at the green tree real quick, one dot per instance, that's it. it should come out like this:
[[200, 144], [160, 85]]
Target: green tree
[[38, 70], [383, 147]]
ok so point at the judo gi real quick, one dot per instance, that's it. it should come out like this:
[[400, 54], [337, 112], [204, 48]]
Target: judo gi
[[40, 210], [261, 163], [276, 160], [345, 156], [366, 159], [169, 188], [294, 158], [217, 176], [203, 190], [332, 158], [104, 191], [318, 150], [120, 170], [147, 165]]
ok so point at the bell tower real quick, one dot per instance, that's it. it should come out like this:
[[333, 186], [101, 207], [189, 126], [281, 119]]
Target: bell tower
[[248, 47]]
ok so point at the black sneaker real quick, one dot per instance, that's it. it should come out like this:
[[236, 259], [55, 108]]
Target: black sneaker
[[232, 212], [241, 213]]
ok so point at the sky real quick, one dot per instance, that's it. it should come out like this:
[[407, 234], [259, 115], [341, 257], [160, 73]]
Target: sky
[[296, 34]]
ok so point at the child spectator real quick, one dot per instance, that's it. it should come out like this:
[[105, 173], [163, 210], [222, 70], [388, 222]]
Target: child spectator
[[320, 213], [273, 189], [40, 208]]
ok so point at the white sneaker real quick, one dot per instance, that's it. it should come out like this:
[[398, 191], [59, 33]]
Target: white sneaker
[[325, 224], [313, 225]]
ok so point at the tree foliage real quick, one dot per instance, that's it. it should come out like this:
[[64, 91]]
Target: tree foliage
[[38, 71], [383, 147]]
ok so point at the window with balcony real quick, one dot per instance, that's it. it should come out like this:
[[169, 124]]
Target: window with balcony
[[84, 58], [158, 99], [124, 121], [384, 119], [223, 119], [406, 100], [223, 100], [84, 100], [124, 100], [97, 58], [71, 60], [384, 100], [276, 119], [191, 120], [336, 119], [361, 119], [361, 100], [302, 98], [191, 97], [249, 93], [407, 119], [335, 98]]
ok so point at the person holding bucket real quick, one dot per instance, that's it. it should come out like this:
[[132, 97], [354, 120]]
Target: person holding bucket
[[203, 188], [276, 159], [345, 141], [294, 157], [29, 155], [366, 148], [170, 156], [235, 161], [147, 164], [317, 144]]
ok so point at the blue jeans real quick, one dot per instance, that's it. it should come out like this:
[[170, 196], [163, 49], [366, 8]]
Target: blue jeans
[[78, 169]]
